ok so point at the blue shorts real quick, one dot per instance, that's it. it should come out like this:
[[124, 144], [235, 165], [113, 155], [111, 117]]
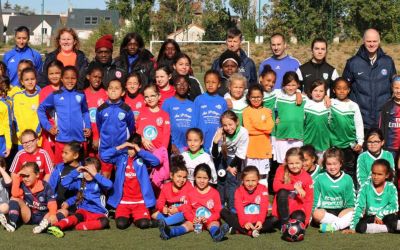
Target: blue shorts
[[2, 145], [36, 218]]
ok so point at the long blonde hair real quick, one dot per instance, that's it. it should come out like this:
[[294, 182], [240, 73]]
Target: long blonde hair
[[291, 152]]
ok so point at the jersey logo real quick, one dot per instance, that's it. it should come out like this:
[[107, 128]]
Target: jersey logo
[[78, 98], [189, 110], [210, 204], [203, 106], [138, 105], [92, 115], [34, 107], [252, 209], [106, 115], [159, 121], [242, 70], [41, 199], [360, 73], [218, 106], [175, 108], [139, 162], [307, 75], [150, 132], [203, 212], [278, 67], [325, 76], [121, 116], [118, 74], [99, 102], [384, 72], [257, 200], [62, 98], [12, 60], [136, 113]]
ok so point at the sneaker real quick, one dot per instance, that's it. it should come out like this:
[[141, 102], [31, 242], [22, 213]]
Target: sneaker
[[255, 233], [326, 227], [3, 220], [56, 231], [220, 234], [163, 230], [43, 225]]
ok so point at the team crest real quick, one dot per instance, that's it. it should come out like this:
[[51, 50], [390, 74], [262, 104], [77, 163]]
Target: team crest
[[159, 121], [384, 72], [92, 115], [41, 198], [210, 204], [203, 212], [252, 209], [218, 106], [118, 74], [34, 107], [121, 116], [138, 105], [189, 110], [183, 199], [325, 76], [242, 70], [258, 199], [99, 102], [139, 161], [150, 132], [78, 98]]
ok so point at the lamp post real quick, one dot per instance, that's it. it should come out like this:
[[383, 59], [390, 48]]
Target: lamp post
[[42, 19]]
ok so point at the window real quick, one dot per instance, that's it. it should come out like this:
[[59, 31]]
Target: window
[[107, 18], [94, 19], [44, 31], [87, 19]]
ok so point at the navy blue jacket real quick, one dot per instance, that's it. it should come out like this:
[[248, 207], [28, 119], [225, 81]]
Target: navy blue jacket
[[72, 114], [119, 158], [371, 84], [115, 122], [247, 68]]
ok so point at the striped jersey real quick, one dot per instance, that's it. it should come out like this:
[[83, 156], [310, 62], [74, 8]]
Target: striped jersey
[[364, 164], [291, 118], [316, 125]]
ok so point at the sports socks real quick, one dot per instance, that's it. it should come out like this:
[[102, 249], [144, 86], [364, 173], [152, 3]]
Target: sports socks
[[14, 211], [214, 230], [343, 222], [329, 218], [89, 225], [176, 231], [373, 228], [68, 222]]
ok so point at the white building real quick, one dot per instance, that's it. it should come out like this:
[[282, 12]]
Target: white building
[[192, 33]]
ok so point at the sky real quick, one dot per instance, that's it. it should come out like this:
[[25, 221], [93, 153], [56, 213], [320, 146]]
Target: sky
[[57, 6]]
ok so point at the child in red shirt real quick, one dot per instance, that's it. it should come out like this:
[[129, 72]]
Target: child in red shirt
[[163, 77], [251, 204], [174, 194], [153, 123], [133, 97], [95, 96], [203, 207], [294, 189], [54, 75]]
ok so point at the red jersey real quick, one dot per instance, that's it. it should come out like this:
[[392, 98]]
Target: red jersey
[[169, 198], [94, 100], [41, 157], [165, 94], [206, 205], [46, 91], [136, 104], [154, 126], [297, 203], [251, 207], [131, 192]]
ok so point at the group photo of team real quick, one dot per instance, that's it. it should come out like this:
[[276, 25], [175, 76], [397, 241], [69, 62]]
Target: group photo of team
[[137, 141]]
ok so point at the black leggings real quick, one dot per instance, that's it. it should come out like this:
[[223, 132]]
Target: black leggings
[[389, 220], [123, 223], [283, 208], [233, 221]]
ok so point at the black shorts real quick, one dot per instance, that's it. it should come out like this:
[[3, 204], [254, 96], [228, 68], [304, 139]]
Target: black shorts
[[36, 218], [335, 212]]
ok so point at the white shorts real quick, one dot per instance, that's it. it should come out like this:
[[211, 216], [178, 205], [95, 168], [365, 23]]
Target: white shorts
[[282, 146], [261, 164]]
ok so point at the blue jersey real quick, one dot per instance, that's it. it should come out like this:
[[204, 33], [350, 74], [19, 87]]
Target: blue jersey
[[72, 114], [115, 122], [92, 190], [280, 66], [38, 201], [207, 113], [181, 117]]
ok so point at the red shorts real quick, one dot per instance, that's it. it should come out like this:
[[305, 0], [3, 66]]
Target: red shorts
[[106, 167], [58, 148], [136, 211], [89, 216]]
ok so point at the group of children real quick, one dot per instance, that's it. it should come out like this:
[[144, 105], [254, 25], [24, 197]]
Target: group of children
[[166, 155]]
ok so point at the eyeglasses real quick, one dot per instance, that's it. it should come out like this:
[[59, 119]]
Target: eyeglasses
[[150, 97], [255, 97], [373, 142], [28, 142]]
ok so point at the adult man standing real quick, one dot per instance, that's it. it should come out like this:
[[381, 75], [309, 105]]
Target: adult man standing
[[104, 50], [247, 68], [280, 62], [370, 71]]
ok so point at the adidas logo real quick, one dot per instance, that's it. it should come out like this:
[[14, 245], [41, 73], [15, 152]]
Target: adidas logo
[[12, 60], [106, 115], [61, 98]]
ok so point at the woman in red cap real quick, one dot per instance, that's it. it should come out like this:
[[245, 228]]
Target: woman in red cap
[[67, 52]]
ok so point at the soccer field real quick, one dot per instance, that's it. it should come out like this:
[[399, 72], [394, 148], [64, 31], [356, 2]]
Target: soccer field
[[134, 238]]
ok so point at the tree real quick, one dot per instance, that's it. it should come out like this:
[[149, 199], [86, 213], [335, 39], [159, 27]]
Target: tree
[[247, 14], [7, 5], [216, 20], [124, 7], [140, 19]]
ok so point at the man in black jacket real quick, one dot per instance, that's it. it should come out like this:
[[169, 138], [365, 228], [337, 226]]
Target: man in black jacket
[[370, 71]]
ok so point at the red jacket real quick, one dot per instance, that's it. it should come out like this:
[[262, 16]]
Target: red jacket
[[251, 207], [298, 203], [170, 198]]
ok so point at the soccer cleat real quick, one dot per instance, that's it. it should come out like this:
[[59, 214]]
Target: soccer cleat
[[163, 230], [326, 227], [56, 231], [220, 233], [255, 233], [3, 220], [43, 225]]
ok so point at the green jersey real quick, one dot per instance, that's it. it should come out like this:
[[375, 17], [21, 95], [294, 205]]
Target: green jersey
[[238, 106], [364, 164], [318, 170], [370, 202], [291, 118], [316, 125], [269, 103], [346, 124], [333, 194]]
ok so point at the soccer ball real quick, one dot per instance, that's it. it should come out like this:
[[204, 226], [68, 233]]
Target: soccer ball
[[293, 230]]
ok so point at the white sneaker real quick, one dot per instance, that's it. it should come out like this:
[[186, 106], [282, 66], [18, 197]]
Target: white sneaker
[[43, 225], [4, 223], [255, 233]]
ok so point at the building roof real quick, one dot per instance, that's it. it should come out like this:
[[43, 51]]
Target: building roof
[[82, 19], [31, 22], [187, 28]]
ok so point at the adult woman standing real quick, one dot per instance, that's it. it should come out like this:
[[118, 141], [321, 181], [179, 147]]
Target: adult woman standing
[[168, 51], [134, 57], [67, 52]]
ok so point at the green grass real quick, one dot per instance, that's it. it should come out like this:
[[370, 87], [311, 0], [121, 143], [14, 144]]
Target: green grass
[[134, 238]]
